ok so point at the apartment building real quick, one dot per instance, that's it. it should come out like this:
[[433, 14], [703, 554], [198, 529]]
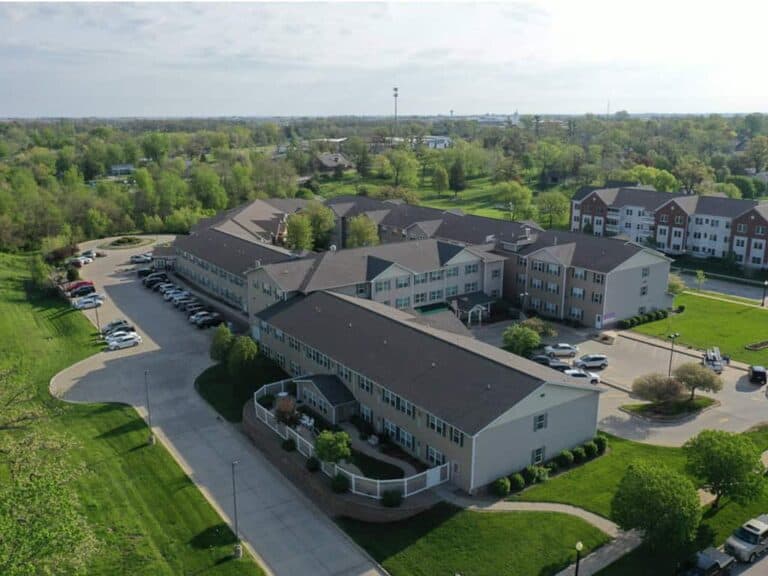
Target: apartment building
[[749, 237], [402, 275], [595, 281], [440, 396]]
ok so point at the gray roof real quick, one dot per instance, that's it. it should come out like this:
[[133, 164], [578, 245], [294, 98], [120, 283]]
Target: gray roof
[[233, 254], [333, 389], [259, 220], [463, 381], [716, 205], [478, 229], [332, 160]]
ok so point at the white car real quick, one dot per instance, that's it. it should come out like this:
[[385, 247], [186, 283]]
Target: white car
[[592, 361], [183, 295], [117, 335], [175, 294], [198, 315], [124, 342], [141, 259], [583, 374], [86, 302], [561, 349], [85, 260]]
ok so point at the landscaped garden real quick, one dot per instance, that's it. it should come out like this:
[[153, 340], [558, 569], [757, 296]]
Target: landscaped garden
[[448, 540], [672, 409], [706, 322], [146, 514]]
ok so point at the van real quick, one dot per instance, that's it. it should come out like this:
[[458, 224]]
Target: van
[[750, 540]]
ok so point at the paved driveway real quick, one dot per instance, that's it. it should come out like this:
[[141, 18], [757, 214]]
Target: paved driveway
[[289, 533], [742, 405]]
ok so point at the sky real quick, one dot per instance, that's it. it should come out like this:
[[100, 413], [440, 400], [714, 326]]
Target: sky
[[327, 59]]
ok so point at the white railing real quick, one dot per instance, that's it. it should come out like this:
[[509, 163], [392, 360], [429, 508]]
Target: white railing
[[361, 485]]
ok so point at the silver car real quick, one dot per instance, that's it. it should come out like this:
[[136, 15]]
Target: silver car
[[561, 349], [592, 361], [750, 540]]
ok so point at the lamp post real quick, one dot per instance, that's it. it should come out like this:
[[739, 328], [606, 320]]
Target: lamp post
[[674, 336], [151, 439], [522, 300], [395, 94], [765, 287], [98, 324], [579, 548], [238, 551]]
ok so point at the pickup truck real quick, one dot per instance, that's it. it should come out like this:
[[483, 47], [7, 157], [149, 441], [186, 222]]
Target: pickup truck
[[749, 540]]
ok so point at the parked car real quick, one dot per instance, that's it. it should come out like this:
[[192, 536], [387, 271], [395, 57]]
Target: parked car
[[561, 349], [713, 360], [83, 291], [88, 302], [199, 315], [140, 259], [85, 259], [194, 309], [119, 334], [77, 284], [209, 320], [89, 254], [121, 328], [758, 375], [750, 540], [113, 325], [592, 361], [76, 262], [159, 276], [155, 282], [709, 562], [583, 374], [542, 359], [124, 342], [175, 294], [560, 366], [180, 296], [143, 272], [183, 302], [164, 287]]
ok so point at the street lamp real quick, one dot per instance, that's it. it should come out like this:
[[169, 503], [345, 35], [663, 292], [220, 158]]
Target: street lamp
[[579, 548], [522, 300], [765, 287], [674, 336], [151, 439], [238, 551]]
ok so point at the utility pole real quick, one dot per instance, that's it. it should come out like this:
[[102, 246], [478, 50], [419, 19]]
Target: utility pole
[[395, 95], [238, 550], [151, 439]]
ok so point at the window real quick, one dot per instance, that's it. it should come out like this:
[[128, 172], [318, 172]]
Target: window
[[470, 287], [536, 303], [403, 282], [344, 372], [366, 414], [538, 266], [436, 424], [741, 228], [579, 273], [364, 384], [597, 298], [740, 242], [715, 223], [383, 285], [643, 290], [628, 211], [496, 274], [757, 260], [663, 219], [457, 436], [576, 313], [537, 283], [420, 278], [597, 278], [435, 457], [451, 291], [435, 276], [294, 368], [699, 221], [537, 456], [677, 233], [678, 219], [550, 307], [435, 295], [577, 293], [628, 225], [553, 288], [452, 271], [645, 272], [757, 245], [553, 269], [403, 302], [539, 422], [470, 269], [397, 402], [420, 298]]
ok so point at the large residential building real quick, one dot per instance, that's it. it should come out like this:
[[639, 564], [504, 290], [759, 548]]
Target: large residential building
[[595, 281], [402, 274], [442, 397], [701, 226]]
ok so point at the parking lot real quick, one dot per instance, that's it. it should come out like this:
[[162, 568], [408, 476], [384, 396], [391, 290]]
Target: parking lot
[[742, 405], [289, 533]]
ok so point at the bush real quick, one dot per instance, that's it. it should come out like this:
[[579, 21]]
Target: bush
[[392, 498], [680, 309], [565, 458], [340, 484], [313, 464], [72, 274], [289, 444], [535, 474], [624, 324], [637, 320], [267, 401], [663, 313], [529, 475], [590, 449], [500, 487], [601, 442], [552, 466], [516, 482], [579, 455]]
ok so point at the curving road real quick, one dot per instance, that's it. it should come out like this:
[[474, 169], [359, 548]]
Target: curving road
[[287, 532]]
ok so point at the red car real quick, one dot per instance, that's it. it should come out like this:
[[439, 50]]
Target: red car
[[78, 284]]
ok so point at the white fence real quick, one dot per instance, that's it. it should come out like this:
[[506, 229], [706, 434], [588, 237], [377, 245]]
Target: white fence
[[362, 485]]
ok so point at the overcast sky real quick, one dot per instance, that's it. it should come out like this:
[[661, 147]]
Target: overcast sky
[[569, 56]]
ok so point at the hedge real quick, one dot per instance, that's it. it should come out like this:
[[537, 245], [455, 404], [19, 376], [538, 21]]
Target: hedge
[[642, 319], [516, 482], [565, 458], [501, 487]]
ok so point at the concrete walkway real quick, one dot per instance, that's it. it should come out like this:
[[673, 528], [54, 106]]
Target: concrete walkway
[[622, 542], [369, 450], [289, 534]]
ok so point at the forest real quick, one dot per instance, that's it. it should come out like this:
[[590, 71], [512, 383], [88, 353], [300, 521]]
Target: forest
[[63, 181]]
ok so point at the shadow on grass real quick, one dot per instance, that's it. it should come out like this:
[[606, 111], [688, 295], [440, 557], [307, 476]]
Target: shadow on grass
[[133, 425], [212, 537]]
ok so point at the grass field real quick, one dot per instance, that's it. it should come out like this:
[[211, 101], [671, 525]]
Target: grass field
[[706, 322], [446, 540], [737, 299], [147, 514]]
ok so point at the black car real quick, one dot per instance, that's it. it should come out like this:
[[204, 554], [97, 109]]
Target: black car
[[155, 282], [82, 291], [541, 359], [161, 276], [194, 309], [212, 320], [560, 366], [144, 272], [757, 374]]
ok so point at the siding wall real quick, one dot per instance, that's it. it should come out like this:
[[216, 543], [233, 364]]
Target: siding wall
[[222, 285]]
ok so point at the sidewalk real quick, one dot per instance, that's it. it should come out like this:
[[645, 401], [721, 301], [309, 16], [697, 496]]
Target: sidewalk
[[369, 450]]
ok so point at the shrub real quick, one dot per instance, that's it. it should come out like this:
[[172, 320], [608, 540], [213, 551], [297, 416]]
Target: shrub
[[680, 309], [590, 449], [601, 442], [657, 388], [535, 474], [624, 324], [392, 498], [663, 313], [552, 466], [529, 475], [267, 401], [72, 274], [637, 320], [579, 455], [313, 464], [660, 314], [500, 487], [289, 444], [516, 482], [565, 458], [340, 484]]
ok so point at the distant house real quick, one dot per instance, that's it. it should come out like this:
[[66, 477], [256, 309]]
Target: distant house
[[121, 170], [437, 142], [327, 162]]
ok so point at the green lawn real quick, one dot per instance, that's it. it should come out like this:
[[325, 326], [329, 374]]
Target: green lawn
[[228, 396], [675, 408], [446, 540], [737, 299], [374, 468], [706, 322], [147, 514]]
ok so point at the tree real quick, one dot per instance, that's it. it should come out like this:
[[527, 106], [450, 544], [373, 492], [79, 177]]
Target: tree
[[657, 388], [541, 327], [660, 502], [332, 446], [440, 179], [757, 152], [404, 167], [521, 340], [457, 180], [382, 167], [695, 376], [729, 465], [221, 343], [206, 187], [701, 277], [155, 146], [553, 206], [299, 236], [323, 223], [691, 172], [361, 231], [241, 358], [675, 284], [517, 197]]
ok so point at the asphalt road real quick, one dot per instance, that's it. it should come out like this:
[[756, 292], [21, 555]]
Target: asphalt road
[[287, 531]]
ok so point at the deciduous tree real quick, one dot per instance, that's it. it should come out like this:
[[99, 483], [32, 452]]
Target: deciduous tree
[[299, 236], [553, 206], [332, 446], [697, 377], [657, 388], [241, 358], [457, 179], [675, 284], [521, 340], [361, 231], [322, 221], [221, 343], [440, 179]]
